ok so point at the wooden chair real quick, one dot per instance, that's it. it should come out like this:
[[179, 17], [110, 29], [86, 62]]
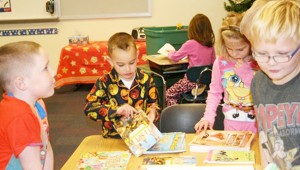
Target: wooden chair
[[183, 117], [201, 75]]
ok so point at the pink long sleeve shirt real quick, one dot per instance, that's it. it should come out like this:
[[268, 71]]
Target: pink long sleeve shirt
[[196, 53], [235, 84]]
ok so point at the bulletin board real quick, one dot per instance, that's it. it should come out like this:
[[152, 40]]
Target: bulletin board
[[88, 9], [22, 10]]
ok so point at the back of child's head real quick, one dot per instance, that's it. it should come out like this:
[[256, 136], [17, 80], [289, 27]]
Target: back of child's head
[[121, 40], [230, 30], [270, 20], [200, 29], [16, 59]]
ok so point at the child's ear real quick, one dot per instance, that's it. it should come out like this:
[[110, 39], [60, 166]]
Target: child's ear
[[19, 83], [110, 61]]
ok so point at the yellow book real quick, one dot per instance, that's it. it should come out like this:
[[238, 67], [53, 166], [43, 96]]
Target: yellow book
[[230, 157]]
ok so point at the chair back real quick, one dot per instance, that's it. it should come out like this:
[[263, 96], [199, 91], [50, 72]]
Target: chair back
[[201, 75], [160, 83], [219, 120], [183, 117], [203, 72]]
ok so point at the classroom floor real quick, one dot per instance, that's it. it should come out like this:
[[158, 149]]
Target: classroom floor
[[68, 124]]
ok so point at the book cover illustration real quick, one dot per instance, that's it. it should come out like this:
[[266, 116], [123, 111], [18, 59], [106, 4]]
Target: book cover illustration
[[169, 161], [138, 133], [106, 160], [230, 157], [221, 140], [173, 142]]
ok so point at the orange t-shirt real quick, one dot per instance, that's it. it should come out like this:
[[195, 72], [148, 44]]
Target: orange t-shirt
[[19, 128]]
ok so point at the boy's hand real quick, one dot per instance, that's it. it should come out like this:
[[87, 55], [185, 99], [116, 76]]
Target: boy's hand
[[152, 112], [126, 111], [202, 125]]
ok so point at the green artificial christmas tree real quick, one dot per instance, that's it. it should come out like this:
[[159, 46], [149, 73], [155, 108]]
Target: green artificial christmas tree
[[238, 6]]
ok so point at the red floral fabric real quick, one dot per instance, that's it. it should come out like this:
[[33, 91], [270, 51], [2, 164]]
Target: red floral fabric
[[83, 64]]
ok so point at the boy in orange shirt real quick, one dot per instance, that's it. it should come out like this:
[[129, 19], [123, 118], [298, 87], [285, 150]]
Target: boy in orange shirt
[[26, 77]]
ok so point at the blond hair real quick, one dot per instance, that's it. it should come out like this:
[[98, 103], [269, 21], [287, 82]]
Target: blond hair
[[121, 40], [268, 20], [16, 59], [230, 29]]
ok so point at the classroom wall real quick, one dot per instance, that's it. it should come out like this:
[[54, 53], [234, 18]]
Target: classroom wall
[[164, 13]]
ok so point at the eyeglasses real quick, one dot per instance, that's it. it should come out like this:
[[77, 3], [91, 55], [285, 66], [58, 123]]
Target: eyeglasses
[[277, 58], [231, 28]]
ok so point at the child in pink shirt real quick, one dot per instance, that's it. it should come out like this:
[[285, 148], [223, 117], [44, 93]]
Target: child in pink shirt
[[199, 51], [232, 75]]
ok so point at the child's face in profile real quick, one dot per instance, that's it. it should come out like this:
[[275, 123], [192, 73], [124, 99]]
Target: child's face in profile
[[41, 77], [124, 62], [237, 48], [279, 72]]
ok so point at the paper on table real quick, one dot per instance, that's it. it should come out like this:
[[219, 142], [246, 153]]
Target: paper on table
[[165, 49], [230, 167]]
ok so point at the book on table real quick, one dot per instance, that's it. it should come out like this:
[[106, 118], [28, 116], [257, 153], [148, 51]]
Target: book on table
[[221, 140], [230, 157], [156, 162], [117, 160], [173, 142], [138, 132]]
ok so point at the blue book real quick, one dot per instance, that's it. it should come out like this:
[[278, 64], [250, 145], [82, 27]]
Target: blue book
[[173, 142]]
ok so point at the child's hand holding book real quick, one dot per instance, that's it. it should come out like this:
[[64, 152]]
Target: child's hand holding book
[[126, 111]]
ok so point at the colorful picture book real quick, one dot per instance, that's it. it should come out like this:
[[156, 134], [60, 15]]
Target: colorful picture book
[[168, 162], [221, 140], [173, 142], [117, 160], [138, 132], [230, 157]]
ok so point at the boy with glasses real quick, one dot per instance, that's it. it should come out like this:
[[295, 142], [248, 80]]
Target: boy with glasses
[[273, 28]]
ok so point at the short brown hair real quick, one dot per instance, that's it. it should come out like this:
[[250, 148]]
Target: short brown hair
[[16, 58], [121, 40]]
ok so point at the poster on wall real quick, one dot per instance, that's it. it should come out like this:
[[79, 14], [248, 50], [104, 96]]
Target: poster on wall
[[5, 6]]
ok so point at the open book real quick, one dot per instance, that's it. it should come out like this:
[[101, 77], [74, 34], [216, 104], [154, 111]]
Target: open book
[[173, 142], [165, 49], [104, 160], [138, 132], [221, 140]]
